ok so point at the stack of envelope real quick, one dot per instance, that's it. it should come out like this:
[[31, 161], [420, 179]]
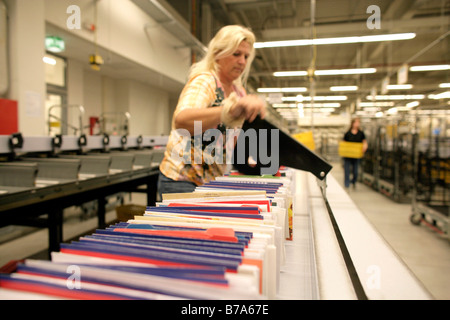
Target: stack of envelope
[[224, 241]]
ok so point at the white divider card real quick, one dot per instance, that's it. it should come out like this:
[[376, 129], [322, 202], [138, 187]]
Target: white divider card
[[262, 237], [278, 189], [223, 192], [145, 266], [124, 282], [277, 217]]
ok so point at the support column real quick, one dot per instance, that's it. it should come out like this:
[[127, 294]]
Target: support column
[[152, 190], [55, 229], [101, 213], [27, 72]]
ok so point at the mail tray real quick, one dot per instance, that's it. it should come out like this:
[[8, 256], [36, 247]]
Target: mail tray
[[351, 149]]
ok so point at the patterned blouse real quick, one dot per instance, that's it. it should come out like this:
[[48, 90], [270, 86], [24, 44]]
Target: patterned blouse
[[202, 157]]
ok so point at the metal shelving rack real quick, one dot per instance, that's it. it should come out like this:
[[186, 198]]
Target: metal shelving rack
[[431, 195], [387, 165]]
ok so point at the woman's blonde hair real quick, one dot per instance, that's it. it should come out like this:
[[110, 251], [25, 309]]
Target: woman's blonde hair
[[224, 44]]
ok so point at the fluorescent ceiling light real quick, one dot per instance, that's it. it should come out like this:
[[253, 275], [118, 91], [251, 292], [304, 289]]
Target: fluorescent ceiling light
[[289, 99], [284, 105], [371, 109], [443, 95], [325, 72], [379, 114], [377, 104], [326, 110], [49, 61], [444, 85], [431, 67], [399, 86], [398, 97], [290, 73], [322, 105], [412, 104], [344, 71], [441, 112], [287, 112], [392, 111], [344, 88], [337, 40], [403, 108], [301, 98], [299, 89], [276, 90]]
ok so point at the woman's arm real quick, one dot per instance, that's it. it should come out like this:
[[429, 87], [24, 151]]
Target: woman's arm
[[246, 108], [210, 118], [365, 145], [249, 107]]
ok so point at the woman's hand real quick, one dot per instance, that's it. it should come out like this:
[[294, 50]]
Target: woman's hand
[[248, 107]]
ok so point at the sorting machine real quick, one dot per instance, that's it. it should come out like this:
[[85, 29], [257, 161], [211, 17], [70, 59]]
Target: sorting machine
[[388, 165], [431, 192], [408, 160], [41, 176]]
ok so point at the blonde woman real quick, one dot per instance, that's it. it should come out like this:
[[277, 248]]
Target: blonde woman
[[213, 100]]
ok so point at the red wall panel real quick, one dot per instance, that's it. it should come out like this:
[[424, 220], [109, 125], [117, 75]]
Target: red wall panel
[[8, 116]]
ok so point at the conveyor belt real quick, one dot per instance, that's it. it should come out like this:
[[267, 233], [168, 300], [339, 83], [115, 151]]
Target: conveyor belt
[[336, 254], [381, 274]]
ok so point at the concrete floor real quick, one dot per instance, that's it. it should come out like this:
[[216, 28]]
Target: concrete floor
[[424, 251]]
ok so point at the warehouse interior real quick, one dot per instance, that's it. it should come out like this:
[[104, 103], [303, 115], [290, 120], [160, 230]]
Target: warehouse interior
[[114, 69]]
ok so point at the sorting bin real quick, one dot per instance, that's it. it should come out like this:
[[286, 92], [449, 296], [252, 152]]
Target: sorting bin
[[129, 211]]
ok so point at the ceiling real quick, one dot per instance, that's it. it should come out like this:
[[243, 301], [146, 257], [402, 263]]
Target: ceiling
[[274, 20]]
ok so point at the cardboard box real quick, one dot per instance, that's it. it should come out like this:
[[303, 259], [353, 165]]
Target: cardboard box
[[128, 211]]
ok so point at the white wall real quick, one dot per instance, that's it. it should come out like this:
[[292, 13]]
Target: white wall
[[27, 82], [121, 95], [75, 92], [123, 29], [151, 108], [92, 91], [150, 111]]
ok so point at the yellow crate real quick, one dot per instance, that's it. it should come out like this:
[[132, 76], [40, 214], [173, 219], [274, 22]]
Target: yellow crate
[[351, 149], [306, 139]]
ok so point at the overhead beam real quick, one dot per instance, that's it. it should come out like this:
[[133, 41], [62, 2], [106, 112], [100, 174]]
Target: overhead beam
[[164, 14], [219, 9], [339, 29]]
